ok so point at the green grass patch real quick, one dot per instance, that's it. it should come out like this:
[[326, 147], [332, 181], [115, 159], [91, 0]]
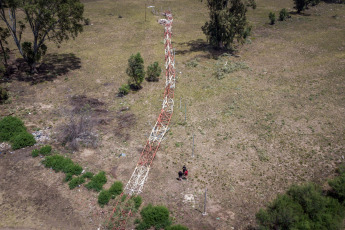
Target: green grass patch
[[97, 182], [22, 140], [35, 153]]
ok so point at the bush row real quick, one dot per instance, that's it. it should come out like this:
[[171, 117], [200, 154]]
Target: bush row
[[12, 129]]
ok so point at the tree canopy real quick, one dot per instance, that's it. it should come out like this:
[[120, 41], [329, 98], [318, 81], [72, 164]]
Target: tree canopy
[[54, 20], [227, 22]]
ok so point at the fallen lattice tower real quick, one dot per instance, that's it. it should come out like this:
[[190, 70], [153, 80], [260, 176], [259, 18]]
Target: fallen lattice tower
[[136, 182]]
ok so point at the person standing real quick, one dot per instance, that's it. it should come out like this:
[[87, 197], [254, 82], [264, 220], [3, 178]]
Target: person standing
[[180, 174]]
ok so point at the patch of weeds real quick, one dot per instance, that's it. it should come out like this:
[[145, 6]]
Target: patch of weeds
[[124, 90], [224, 66], [193, 63], [97, 182], [35, 153], [76, 182], [45, 150], [123, 198], [178, 144]]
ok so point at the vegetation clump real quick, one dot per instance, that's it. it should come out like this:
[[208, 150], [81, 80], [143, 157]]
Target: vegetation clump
[[59, 163], [76, 182], [154, 216], [153, 72], [97, 182], [135, 71], [116, 188], [272, 17], [283, 14], [338, 185], [12, 129], [3, 95], [302, 207], [228, 22], [124, 90], [176, 227], [104, 197]]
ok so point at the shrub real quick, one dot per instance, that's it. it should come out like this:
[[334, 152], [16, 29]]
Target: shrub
[[104, 197], [338, 185], [137, 201], [87, 175], [176, 227], [124, 90], [46, 150], [116, 188], [300, 5], [154, 216], [22, 140], [135, 71], [302, 207], [97, 182], [9, 127], [153, 72], [68, 177], [283, 14], [75, 182], [35, 153], [272, 17], [72, 168], [3, 95]]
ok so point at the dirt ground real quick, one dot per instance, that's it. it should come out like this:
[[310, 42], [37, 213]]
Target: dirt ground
[[277, 121]]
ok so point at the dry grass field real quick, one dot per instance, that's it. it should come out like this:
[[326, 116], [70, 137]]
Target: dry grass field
[[276, 121]]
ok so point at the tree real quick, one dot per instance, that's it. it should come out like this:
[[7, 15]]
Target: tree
[[153, 72], [135, 71], [227, 22], [53, 20], [301, 5], [4, 34]]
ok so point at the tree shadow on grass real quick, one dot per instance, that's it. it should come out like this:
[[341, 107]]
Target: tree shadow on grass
[[52, 66], [201, 45]]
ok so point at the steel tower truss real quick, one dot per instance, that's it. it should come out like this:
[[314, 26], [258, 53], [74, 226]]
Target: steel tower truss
[[141, 171]]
